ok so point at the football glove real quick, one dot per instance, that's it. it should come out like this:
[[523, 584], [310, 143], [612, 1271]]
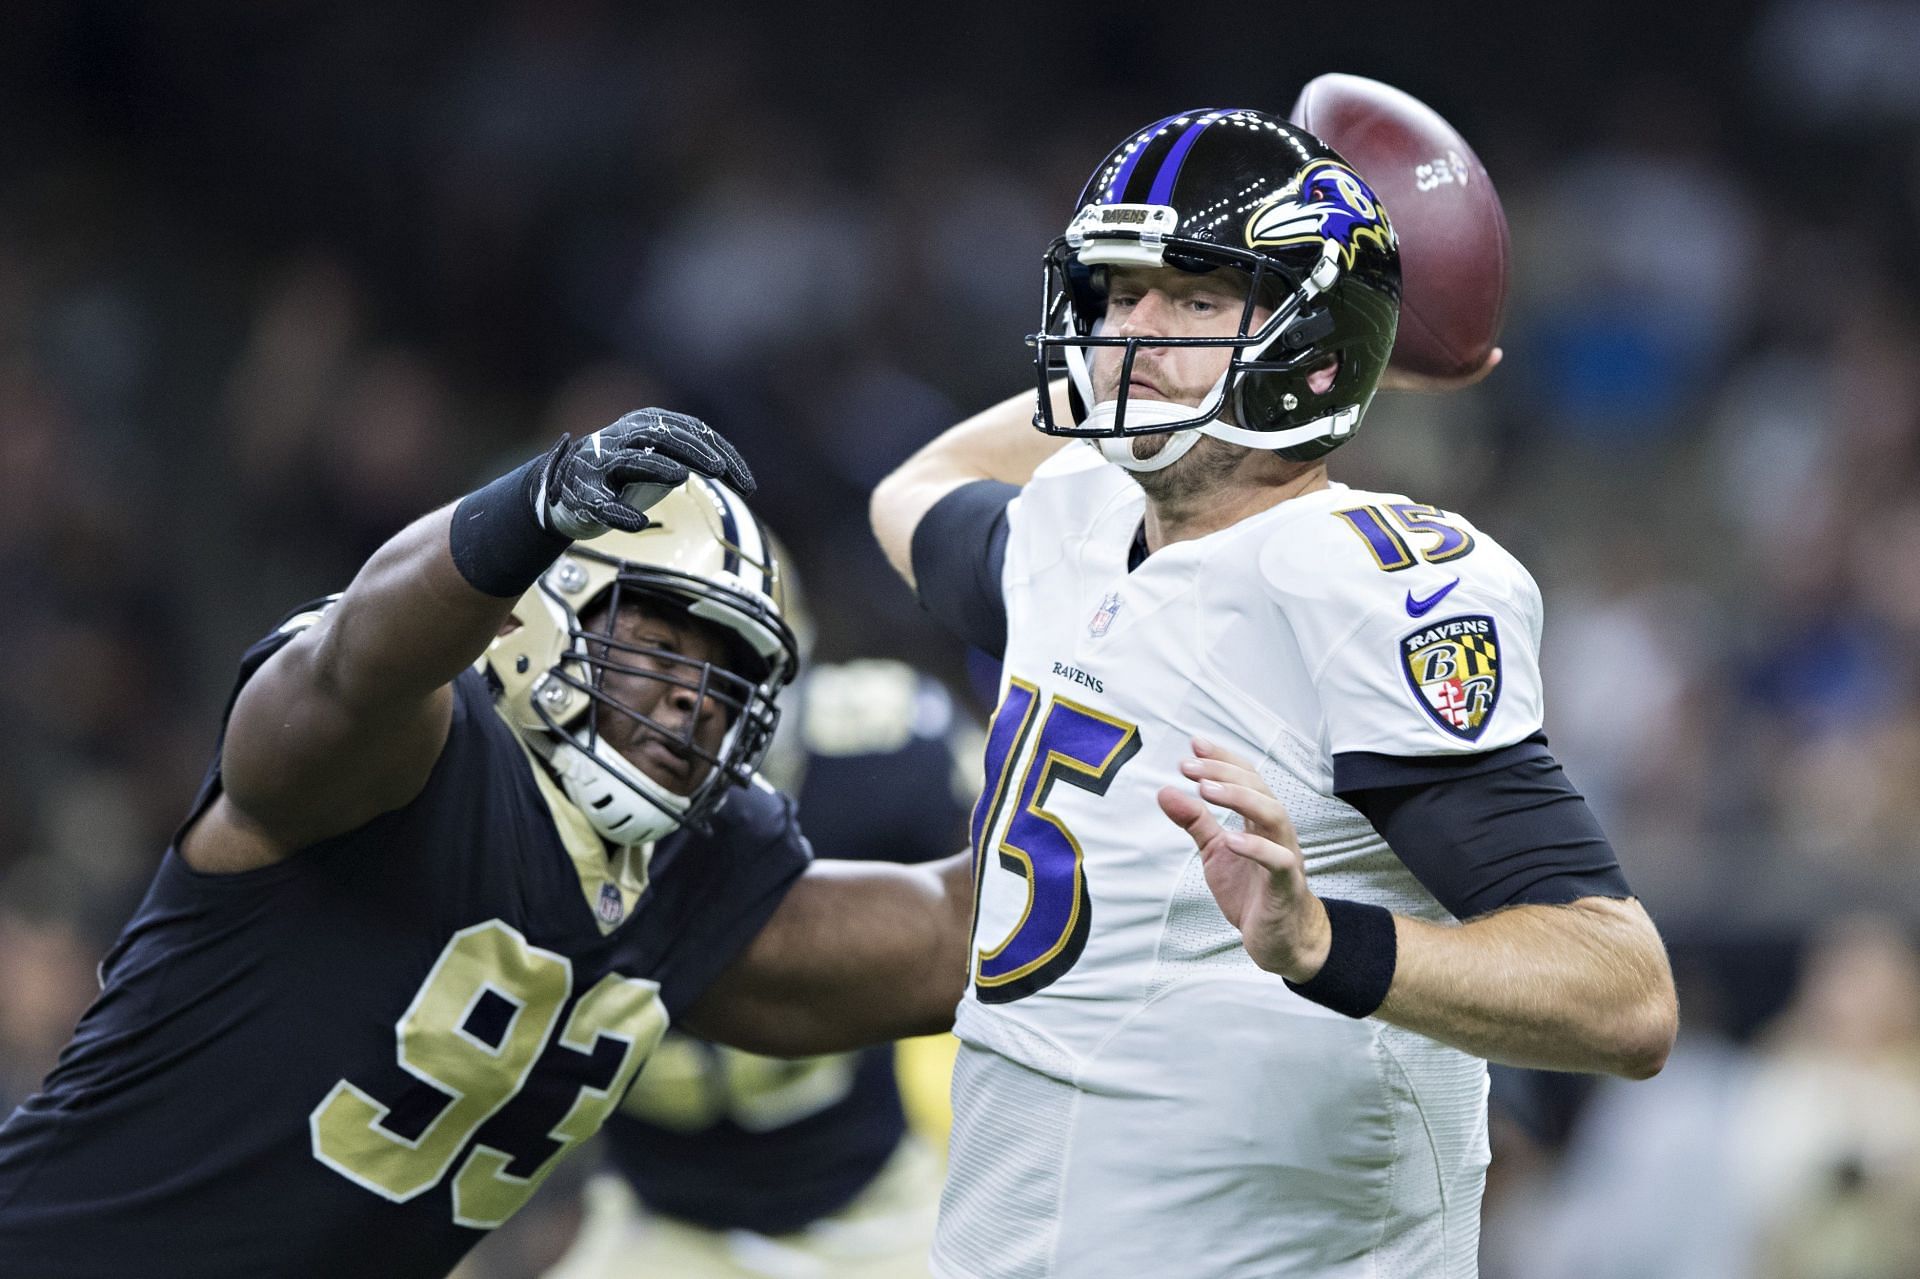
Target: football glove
[[607, 480]]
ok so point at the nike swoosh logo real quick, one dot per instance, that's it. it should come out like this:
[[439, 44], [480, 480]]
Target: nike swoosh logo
[[1420, 608]]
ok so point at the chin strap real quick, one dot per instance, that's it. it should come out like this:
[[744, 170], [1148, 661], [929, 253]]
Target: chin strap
[[1119, 449], [610, 796]]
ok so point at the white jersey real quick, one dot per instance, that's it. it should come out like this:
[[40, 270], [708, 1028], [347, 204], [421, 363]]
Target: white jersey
[[1133, 1096]]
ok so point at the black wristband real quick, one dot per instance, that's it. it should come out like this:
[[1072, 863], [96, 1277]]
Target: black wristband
[[497, 542], [1360, 959]]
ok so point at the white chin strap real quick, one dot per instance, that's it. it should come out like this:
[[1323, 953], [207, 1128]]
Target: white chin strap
[[1118, 449], [622, 803]]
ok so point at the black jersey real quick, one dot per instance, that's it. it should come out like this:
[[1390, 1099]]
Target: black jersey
[[355, 1061], [730, 1140]]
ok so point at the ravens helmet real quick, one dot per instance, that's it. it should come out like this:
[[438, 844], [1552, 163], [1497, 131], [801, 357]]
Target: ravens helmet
[[1209, 189], [703, 554]]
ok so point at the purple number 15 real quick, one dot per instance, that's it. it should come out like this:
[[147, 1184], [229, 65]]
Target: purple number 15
[[1391, 550], [1076, 745]]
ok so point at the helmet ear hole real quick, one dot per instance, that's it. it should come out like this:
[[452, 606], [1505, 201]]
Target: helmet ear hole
[[1321, 378]]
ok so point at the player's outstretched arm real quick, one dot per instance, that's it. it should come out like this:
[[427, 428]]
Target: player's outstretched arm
[[857, 953], [1584, 987], [999, 444], [348, 718]]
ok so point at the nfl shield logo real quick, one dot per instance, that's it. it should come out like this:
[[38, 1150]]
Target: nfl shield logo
[[611, 908], [1103, 616], [1453, 667]]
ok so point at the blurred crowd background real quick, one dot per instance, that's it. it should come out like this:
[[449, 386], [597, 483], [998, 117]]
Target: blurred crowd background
[[276, 278]]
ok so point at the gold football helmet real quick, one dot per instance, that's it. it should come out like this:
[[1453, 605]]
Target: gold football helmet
[[705, 554]]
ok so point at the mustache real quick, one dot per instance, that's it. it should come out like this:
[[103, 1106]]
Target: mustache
[[1146, 369]]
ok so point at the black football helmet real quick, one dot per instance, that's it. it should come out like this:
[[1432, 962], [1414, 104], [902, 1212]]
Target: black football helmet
[[1228, 188]]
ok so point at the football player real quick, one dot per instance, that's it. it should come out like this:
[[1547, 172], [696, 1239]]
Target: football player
[[1259, 1050], [730, 1165], [475, 832]]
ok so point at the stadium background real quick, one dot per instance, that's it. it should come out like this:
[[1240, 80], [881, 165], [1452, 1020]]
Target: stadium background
[[275, 278]]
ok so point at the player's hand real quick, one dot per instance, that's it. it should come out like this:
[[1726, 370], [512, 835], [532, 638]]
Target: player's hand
[[607, 480], [1257, 875], [1401, 380]]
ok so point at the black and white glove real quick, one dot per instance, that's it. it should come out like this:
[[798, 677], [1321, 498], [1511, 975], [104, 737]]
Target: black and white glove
[[607, 480]]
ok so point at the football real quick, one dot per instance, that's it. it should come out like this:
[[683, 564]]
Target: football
[[1453, 232]]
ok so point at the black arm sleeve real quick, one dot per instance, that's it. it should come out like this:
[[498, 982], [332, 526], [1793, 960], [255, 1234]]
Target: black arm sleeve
[[959, 547], [1484, 831]]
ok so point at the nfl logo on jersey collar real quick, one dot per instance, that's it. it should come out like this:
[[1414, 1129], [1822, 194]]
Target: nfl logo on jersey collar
[[1104, 615], [610, 907]]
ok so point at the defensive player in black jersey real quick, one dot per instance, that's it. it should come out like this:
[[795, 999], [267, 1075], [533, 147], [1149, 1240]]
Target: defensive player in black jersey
[[475, 832]]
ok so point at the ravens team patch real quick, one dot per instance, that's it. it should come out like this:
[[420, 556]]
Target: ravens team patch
[[1453, 668]]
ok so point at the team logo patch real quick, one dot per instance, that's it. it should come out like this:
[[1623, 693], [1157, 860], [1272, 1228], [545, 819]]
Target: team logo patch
[[1326, 204], [1104, 615], [610, 908], [1453, 667]]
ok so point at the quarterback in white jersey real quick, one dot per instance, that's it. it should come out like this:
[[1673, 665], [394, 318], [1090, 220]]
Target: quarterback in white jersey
[[1189, 1048]]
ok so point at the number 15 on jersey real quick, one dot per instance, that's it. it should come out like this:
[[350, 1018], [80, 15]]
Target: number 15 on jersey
[[1032, 744]]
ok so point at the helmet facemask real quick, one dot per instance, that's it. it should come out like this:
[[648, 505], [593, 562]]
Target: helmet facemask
[[1285, 347], [742, 690]]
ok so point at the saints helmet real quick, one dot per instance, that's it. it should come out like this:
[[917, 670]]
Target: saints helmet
[[1209, 189], [704, 554]]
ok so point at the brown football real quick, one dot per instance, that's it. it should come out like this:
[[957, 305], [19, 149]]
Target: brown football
[[1453, 232]]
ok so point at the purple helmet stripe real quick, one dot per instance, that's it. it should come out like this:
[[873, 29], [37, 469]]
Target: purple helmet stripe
[[1163, 181], [1116, 189]]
